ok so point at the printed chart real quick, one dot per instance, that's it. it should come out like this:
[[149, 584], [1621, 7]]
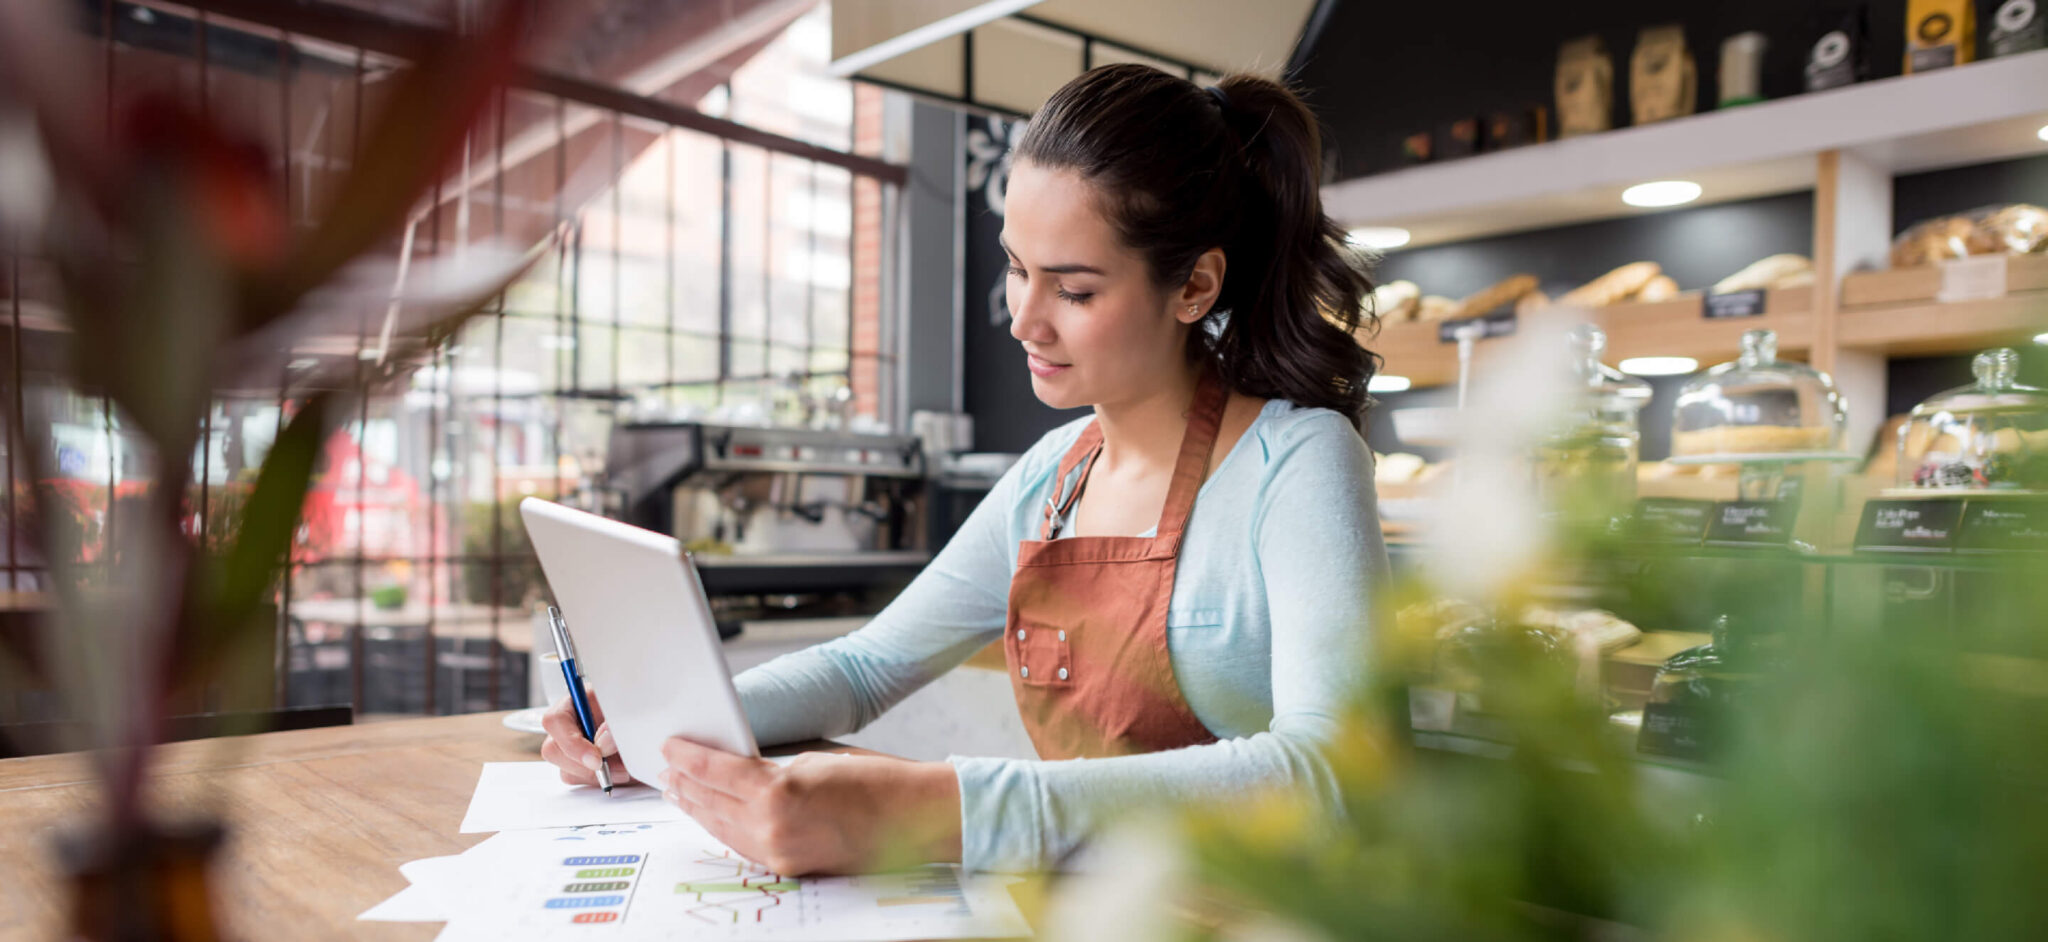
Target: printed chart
[[672, 880]]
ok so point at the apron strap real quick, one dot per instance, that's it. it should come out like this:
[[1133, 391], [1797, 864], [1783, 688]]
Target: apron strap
[[1205, 418], [1083, 452]]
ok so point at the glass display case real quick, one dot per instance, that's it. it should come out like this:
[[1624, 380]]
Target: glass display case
[[1989, 437], [1759, 407], [1594, 448]]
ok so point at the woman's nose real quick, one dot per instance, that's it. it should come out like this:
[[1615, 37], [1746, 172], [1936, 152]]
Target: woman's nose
[[1025, 322]]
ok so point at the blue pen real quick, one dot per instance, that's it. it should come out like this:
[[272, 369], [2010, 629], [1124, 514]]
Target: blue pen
[[565, 650]]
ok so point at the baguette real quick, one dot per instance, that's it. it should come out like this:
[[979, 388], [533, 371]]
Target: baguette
[[1772, 272], [1620, 283], [1507, 291], [1660, 288], [1435, 307], [1396, 301]]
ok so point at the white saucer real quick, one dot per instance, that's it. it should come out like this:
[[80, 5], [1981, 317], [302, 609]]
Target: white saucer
[[526, 721]]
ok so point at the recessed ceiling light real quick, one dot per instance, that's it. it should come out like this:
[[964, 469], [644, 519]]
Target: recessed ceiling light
[[1661, 193], [1659, 366], [2043, 133], [1379, 237], [2041, 339], [1387, 383]]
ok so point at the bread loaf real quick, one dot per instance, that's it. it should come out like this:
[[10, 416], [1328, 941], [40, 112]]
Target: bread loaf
[[1623, 282], [1435, 307], [1395, 301], [1500, 294], [1660, 288], [1776, 271]]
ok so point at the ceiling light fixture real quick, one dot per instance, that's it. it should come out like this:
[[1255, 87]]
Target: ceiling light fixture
[[1379, 237], [1661, 193], [1659, 366], [2043, 133], [2041, 339], [1388, 383]]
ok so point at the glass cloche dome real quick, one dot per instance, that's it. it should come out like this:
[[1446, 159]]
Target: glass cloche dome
[[1989, 436], [1758, 407], [1595, 444]]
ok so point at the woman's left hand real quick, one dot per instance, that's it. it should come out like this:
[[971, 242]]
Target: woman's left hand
[[822, 813]]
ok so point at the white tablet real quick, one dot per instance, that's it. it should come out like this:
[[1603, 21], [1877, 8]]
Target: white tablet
[[645, 640]]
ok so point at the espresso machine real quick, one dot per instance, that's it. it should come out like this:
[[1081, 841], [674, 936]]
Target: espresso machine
[[781, 522]]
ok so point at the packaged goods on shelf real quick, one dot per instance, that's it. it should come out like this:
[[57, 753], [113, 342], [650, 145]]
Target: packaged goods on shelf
[[1585, 87], [1840, 54], [1742, 68], [1663, 79], [2012, 229], [2017, 26], [1940, 33]]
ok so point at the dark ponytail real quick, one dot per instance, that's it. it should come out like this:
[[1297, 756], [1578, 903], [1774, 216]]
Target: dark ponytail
[[1184, 169]]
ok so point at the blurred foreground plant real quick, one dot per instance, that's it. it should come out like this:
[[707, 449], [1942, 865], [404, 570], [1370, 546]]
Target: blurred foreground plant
[[180, 277], [1877, 779]]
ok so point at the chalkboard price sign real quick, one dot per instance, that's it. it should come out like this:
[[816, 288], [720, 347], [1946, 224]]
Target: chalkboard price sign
[[1671, 520], [1910, 526], [2004, 525], [1752, 523], [1734, 304]]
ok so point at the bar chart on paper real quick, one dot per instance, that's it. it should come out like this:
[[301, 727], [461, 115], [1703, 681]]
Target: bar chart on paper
[[673, 880]]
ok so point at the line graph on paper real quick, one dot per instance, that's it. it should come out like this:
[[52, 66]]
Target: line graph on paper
[[731, 889]]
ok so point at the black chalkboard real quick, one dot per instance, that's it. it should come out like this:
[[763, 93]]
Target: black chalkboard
[[1671, 520], [1909, 526], [2004, 525], [1752, 523]]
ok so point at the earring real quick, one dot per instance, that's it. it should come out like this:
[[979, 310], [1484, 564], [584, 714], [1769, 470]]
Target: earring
[[1194, 308]]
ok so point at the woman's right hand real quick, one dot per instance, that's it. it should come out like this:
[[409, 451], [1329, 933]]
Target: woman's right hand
[[574, 755]]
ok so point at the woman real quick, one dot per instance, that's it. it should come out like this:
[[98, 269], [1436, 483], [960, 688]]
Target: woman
[[1180, 580]]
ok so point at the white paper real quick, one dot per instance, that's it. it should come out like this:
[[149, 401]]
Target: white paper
[[520, 795], [672, 880], [412, 904], [433, 880]]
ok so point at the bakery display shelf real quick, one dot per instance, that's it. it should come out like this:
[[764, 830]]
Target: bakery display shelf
[[1975, 113], [1936, 327], [1678, 327], [1922, 285]]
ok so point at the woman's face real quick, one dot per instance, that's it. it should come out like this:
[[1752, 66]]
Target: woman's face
[[1095, 329]]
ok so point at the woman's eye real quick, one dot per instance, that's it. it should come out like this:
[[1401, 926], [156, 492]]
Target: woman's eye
[[1074, 298], [1015, 272]]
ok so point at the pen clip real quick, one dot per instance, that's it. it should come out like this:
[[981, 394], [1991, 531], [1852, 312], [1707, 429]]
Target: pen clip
[[565, 648]]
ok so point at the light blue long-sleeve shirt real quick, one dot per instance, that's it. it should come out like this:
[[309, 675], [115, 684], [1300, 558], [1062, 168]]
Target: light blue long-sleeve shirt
[[1266, 630]]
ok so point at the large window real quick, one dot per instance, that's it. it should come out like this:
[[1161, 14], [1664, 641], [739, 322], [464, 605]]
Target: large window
[[693, 277]]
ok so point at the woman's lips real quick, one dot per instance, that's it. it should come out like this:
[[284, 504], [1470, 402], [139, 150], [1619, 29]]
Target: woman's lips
[[1041, 366]]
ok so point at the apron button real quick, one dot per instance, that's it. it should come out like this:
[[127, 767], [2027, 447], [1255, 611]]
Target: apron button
[[1063, 673], [1063, 634], [1020, 634], [1024, 672]]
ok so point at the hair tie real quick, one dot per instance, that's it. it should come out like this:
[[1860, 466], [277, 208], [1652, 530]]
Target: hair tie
[[1222, 100]]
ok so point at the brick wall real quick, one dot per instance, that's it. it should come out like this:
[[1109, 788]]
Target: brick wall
[[867, 256]]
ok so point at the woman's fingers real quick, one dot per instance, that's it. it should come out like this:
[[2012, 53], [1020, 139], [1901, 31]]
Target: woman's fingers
[[704, 796], [573, 771], [577, 756], [737, 776], [566, 735]]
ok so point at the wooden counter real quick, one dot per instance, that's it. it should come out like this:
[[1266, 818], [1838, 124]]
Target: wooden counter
[[319, 820]]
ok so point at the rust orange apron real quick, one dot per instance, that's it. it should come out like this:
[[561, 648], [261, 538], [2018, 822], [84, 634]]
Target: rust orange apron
[[1086, 634]]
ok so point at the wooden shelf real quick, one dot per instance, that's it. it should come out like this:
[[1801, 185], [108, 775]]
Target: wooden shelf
[[1970, 114], [1934, 328], [1678, 327]]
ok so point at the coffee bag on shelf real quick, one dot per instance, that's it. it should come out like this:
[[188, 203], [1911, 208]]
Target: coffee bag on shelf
[[1663, 80], [1940, 33], [1585, 87]]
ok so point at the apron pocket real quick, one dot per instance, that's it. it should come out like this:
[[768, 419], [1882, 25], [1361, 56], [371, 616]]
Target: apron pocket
[[1040, 654]]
